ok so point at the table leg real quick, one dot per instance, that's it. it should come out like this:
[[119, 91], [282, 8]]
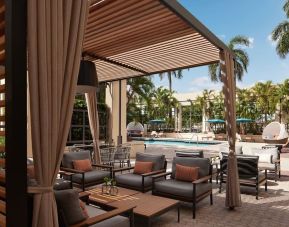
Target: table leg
[[178, 214]]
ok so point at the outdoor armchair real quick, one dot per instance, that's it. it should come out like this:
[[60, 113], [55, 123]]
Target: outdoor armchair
[[71, 214], [249, 173], [191, 192], [84, 178], [141, 182]]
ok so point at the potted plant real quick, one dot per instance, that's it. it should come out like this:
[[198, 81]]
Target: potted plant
[[113, 189], [106, 186]]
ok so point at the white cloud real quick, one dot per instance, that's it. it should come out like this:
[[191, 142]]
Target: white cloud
[[201, 83], [272, 42], [222, 37]]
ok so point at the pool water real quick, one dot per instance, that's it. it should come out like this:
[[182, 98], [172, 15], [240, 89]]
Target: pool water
[[178, 143]]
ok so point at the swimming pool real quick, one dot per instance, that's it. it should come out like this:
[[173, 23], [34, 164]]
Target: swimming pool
[[176, 142]]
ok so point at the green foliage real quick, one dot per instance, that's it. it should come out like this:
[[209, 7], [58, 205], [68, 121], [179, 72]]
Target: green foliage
[[236, 45], [280, 34]]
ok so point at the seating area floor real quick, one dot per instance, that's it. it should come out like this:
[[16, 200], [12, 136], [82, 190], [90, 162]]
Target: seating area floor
[[272, 208]]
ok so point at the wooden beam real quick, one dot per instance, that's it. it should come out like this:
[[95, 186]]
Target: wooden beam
[[96, 57]]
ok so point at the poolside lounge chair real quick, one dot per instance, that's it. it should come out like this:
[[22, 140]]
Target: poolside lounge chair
[[141, 182], [269, 159], [84, 178], [188, 191], [249, 173], [275, 133]]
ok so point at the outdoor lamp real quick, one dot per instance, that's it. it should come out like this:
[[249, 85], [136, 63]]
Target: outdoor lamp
[[87, 77]]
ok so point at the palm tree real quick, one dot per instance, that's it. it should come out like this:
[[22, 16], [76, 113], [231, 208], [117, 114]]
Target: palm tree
[[139, 87], [241, 60], [177, 74], [281, 34]]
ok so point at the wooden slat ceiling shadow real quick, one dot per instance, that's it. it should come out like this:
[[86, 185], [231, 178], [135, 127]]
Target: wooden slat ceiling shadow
[[128, 38]]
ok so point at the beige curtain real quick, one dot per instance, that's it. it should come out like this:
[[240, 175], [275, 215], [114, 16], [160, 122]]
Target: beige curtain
[[233, 198], [55, 36], [91, 100]]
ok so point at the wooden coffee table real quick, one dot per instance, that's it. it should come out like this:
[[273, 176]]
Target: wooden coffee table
[[147, 206]]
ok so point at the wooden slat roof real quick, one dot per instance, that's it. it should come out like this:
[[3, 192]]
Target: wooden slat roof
[[128, 38]]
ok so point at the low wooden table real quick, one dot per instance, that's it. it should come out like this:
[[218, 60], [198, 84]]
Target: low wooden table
[[147, 206]]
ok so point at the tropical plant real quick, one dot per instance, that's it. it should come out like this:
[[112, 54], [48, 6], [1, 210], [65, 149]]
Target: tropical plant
[[241, 59], [281, 34], [177, 74]]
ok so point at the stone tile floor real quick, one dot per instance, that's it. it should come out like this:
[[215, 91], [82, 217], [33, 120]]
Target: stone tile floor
[[272, 208]]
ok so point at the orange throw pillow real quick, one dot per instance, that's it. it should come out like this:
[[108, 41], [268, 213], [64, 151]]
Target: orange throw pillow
[[83, 165], [186, 173], [142, 167], [83, 209]]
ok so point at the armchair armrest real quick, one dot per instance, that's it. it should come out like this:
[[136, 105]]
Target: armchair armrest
[[63, 173], [71, 170], [152, 173], [105, 216], [122, 169], [203, 179], [161, 175], [103, 166], [276, 161]]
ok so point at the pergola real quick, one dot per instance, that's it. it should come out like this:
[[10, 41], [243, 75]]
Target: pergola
[[125, 39]]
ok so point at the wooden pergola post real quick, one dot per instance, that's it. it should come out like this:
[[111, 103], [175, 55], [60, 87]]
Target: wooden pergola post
[[233, 198]]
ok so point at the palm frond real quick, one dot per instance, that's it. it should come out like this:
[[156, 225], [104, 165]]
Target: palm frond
[[213, 72], [281, 29], [286, 8], [282, 47], [239, 40]]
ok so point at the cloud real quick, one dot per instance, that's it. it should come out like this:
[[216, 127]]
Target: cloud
[[199, 84], [272, 42]]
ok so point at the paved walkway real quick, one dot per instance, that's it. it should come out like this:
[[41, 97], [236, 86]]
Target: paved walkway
[[272, 208]]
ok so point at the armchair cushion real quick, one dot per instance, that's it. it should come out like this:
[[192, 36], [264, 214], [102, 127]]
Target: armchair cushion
[[118, 220], [268, 151], [61, 184], [68, 206], [69, 157], [203, 164], [90, 177], [181, 188], [185, 173], [83, 165], [142, 167], [157, 160], [134, 180]]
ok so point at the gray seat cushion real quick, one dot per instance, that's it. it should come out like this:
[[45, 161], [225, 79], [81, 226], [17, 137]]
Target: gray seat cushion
[[91, 176], [118, 220], [157, 160], [133, 180], [203, 164], [61, 184], [181, 188], [69, 157]]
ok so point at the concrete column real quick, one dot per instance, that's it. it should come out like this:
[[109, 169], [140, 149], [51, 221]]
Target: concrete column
[[114, 103], [178, 119]]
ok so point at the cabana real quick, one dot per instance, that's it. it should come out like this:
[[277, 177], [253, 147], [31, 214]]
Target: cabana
[[124, 39]]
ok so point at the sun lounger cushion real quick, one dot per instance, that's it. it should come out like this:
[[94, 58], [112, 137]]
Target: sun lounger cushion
[[133, 180], [202, 163], [69, 157], [181, 188], [157, 160]]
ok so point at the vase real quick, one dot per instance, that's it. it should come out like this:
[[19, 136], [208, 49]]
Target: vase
[[105, 189], [113, 190]]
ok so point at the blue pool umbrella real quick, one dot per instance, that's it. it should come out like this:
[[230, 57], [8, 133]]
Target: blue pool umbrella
[[215, 121], [157, 121], [244, 120]]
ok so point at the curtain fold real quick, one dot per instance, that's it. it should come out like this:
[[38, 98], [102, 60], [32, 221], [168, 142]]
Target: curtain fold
[[55, 36], [91, 101], [233, 198]]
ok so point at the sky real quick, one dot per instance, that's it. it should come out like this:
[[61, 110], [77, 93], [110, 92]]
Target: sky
[[227, 18]]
